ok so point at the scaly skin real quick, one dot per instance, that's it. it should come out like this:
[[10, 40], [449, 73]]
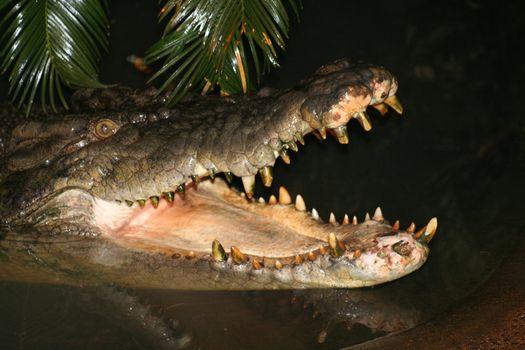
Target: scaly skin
[[74, 174]]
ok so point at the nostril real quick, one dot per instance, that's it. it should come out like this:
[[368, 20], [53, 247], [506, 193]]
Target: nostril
[[402, 248]]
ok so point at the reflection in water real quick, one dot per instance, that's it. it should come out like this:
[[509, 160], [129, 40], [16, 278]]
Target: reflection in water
[[51, 317]]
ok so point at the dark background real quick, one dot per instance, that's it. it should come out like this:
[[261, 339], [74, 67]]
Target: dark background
[[456, 153]]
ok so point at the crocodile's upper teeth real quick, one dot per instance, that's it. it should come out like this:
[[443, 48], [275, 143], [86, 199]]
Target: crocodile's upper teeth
[[393, 102], [249, 184]]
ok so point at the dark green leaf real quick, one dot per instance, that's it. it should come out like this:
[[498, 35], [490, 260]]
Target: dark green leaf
[[219, 43], [52, 43]]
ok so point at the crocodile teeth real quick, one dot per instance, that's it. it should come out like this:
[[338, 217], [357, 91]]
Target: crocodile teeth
[[228, 176], [395, 226], [182, 190], [217, 251], [381, 107], [261, 200], [341, 133], [284, 155], [249, 184], [411, 228], [298, 260], [237, 255], [129, 203], [367, 217], [300, 205], [293, 146], [256, 264], [315, 214], [335, 246], [354, 220], [272, 200], [278, 265], [284, 196], [393, 102], [141, 202], [154, 201], [346, 220], [378, 215], [169, 196], [312, 256], [364, 120], [299, 138], [266, 175], [332, 219], [428, 232]]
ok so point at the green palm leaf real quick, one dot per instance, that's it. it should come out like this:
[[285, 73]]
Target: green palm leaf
[[213, 42], [49, 44]]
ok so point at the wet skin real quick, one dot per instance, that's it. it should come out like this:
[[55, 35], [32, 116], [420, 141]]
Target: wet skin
[[123, 187]]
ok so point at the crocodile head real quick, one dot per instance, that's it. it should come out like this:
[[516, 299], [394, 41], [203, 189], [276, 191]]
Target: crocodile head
[[140, 176]]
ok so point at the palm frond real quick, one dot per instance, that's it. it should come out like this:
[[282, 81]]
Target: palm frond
[[229, 43], [49, 44]]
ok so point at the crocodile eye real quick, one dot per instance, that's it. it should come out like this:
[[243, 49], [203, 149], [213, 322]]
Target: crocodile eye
[[105, 128]]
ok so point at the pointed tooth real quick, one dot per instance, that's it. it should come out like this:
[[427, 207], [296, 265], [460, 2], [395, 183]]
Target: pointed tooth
[[332, 219], [393, 102], [395, 226], [378, 215], [317, 135], [217, 251], [211, 173], [322, 250], [154, 201], [357, 253], [229, 177], [312, 256], [335, 246], [272, 200], [141, 202], [315, 214], [428, 232], [278, 265], [170, 196], [284, 155], [195, 179], [266, 175], [300, 205], [298, 260], [364, 120], [346, 220], [341, 133], [293, 146], [354, 220], [248, 183], [256, 264], [322, 132], [381, 107], [129, 203], [261, 200], [190, 255], [299, 138], [367, 217], [181, 189], [284, 196], [411, 228], [237, 255]]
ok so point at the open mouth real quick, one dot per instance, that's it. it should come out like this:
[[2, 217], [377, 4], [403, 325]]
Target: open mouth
[[207, 220]]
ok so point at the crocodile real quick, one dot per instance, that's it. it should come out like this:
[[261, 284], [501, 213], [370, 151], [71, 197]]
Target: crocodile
[[123, 189]]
